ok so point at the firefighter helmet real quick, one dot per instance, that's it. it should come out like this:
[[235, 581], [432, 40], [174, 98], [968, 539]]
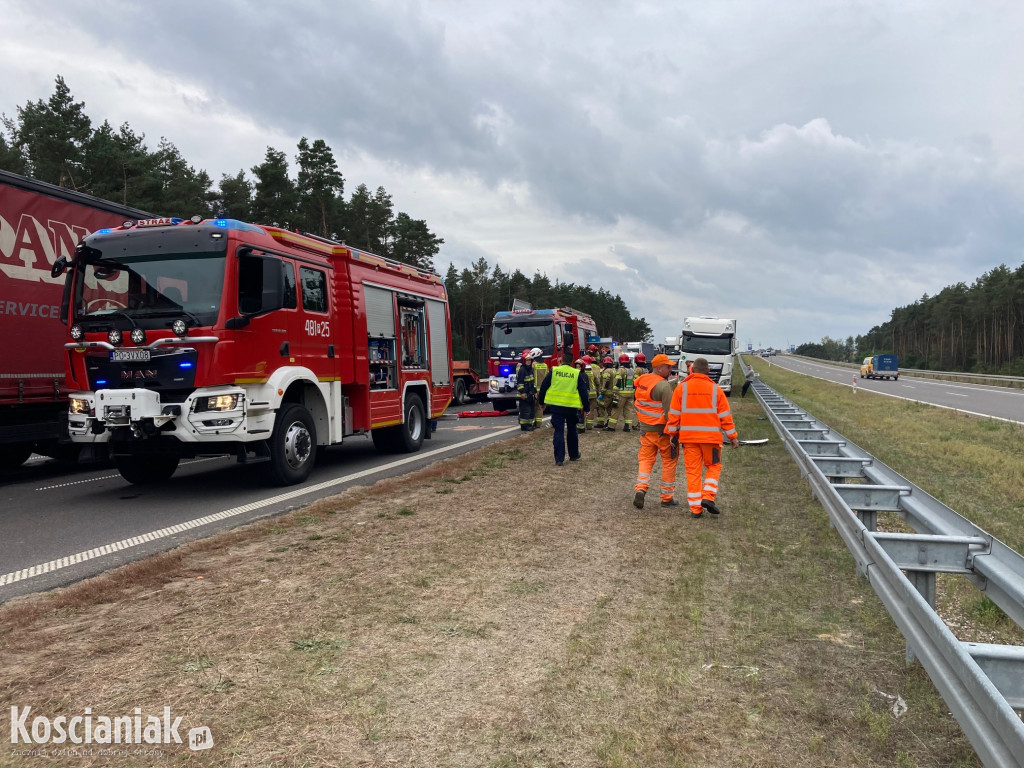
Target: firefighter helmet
[[592, 348], [588, 359], [623, 358], [608, 360], [526, 355], [536, 354], [640, 357]]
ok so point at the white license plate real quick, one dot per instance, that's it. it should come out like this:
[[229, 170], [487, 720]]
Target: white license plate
[[130, 356]]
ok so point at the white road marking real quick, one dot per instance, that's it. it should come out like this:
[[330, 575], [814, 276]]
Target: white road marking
[[957, 394], [163, 533], [109, 477]]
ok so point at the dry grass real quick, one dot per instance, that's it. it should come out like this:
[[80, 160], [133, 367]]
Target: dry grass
[[494, 610], [973, 465]]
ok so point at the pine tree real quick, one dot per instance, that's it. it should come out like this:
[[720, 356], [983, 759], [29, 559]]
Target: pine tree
[[320, 186], [52, 136], [234, 201], [276, 200]]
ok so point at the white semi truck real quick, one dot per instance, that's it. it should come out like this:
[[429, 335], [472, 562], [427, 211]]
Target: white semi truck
[[713, 338]]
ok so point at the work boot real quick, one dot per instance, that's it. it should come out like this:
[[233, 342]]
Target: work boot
[[626, 428], [559, 463], [638, 499], [709, 505], [609, 429], [670, 503], [695, 515]]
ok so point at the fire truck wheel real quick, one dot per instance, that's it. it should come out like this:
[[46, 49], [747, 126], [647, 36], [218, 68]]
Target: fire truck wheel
[[146, 470], [410, 435], [459, 394], [293, 445]]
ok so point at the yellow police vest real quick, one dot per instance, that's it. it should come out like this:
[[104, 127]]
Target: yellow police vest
[[563, 390]]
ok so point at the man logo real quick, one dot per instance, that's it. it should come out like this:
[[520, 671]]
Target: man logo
[[200, 738]]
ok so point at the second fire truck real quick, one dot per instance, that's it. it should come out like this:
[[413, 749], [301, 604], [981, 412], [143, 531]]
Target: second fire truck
[[552, 330]]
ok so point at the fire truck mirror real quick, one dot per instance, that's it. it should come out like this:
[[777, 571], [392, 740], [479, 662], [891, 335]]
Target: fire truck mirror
[[59, 266], [569, 339]]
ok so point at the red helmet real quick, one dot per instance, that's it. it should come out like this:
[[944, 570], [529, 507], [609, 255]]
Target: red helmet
[[592, 348], [588, 359], [579, 361], [526, 355], [608, 360], [640, 357], [623, 358]]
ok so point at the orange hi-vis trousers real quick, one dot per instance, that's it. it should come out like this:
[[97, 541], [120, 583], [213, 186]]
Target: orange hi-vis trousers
[[651, 444], [696, 458]]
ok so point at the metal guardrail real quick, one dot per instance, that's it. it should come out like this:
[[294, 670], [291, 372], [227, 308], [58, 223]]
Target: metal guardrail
[[978, 378], [981, 683]]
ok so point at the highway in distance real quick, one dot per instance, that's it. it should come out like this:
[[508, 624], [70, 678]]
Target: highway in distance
[[58, 526], [1004, 403]]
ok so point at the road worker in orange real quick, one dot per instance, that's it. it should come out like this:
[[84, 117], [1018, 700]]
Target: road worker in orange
[[652, 397], [698, 415]]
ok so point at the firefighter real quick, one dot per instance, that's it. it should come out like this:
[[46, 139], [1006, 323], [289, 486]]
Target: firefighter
[[698, 416], [653, 395], [540, 371], [564, 393], [624, 375], [594, 379], [641, 363], [581, 423], [526, 392], [608, 399]]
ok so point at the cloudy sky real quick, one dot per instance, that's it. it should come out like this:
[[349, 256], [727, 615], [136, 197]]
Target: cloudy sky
[[803, 166]]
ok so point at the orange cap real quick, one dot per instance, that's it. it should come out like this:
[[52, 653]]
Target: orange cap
[[660, 360]]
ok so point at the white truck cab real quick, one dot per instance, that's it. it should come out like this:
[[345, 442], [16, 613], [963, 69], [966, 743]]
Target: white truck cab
[[713, 338]]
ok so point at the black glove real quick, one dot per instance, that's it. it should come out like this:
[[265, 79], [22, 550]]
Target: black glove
[[673, 450]]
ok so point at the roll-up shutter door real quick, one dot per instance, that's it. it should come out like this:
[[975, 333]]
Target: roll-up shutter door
[[380, 313], [439, 367]]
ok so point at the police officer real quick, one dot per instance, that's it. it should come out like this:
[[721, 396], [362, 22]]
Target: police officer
[[563, 393]]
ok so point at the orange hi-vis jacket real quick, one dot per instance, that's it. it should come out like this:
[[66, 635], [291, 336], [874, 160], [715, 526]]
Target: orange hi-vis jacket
[[699, 412], [648, 410]]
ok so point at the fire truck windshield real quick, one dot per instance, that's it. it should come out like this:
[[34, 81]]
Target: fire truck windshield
[[519, 336], [151, 286]]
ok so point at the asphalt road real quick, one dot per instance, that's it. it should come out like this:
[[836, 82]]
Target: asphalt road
[[995, 402], [59, 526]]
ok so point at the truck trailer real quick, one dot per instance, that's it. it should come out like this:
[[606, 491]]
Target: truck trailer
[[39, 223], [213, 337], [713, 338], [512, 332], [880, 367]]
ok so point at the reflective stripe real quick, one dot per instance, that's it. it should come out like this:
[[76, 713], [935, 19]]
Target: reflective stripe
[[700, 429], [563, 388]]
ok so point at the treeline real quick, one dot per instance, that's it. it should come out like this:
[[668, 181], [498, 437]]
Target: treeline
[[978, 328], [477, 293], [54, 141]]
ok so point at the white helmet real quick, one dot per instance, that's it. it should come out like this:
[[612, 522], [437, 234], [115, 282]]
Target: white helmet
[[536, 354]]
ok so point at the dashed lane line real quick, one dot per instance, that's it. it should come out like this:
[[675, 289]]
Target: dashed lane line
[[119, 546], [110, 477]]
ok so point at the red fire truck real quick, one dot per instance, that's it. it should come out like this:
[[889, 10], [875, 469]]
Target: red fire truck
[[39, 222], [212, 337], [552, 330]]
